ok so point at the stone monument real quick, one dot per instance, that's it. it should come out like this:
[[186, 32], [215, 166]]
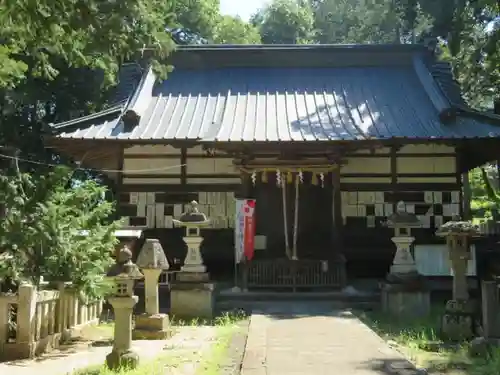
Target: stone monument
[[458, 319], [124, 274], [152, 261], [405, 291], [191, 295]]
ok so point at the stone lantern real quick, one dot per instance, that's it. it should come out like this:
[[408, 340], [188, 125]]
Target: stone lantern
[[403, 265], [458, 321], [404, 292], [124, 274], [152, 261], [193, 220], [191, 295]]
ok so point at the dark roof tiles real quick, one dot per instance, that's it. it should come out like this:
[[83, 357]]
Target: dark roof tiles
[[296, 103]]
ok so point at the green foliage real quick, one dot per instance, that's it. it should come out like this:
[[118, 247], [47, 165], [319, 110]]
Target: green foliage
[[57, 59], [41, 234], [42, 35], [485, 198], [285, 22], [233, 30], [203, 18]]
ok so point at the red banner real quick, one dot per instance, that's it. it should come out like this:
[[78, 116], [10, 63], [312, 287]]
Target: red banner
[[249, 228]]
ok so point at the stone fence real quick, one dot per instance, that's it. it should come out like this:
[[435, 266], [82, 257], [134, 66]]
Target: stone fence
[[33, 322]]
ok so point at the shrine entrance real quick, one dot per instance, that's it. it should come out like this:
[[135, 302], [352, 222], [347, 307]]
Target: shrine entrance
[[308, 220], [294, 217]]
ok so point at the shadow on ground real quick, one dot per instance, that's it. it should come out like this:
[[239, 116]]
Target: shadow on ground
[[392, 366]]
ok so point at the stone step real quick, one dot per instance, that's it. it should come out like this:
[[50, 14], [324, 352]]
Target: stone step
[[225, 295], [230, 300], [249, 306]]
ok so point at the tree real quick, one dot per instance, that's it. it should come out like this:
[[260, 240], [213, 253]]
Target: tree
[[201, 21], [285, 22], [233, 30], [200, 16], [368, 21], [57, 58], [42, 234], [40, 37], [470, 41]]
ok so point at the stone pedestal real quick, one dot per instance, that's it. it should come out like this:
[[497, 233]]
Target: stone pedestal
[[122, 355], [152, 325], [192, 299], [458, 320], [406, 300], [193, 261], [405, 292], [403, 262]]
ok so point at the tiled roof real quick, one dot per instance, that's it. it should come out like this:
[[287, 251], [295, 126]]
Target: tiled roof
[[128, 79], [351, 98]]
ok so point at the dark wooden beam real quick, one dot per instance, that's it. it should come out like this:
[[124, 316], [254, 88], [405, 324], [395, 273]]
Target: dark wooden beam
[[394, 172], [430, 186], [184, 170], [178, 188]]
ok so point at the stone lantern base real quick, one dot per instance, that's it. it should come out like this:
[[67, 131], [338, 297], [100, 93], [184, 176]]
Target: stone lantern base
[[122, 360], [406, 299], [152, 327], [457, 323], [192, 299]]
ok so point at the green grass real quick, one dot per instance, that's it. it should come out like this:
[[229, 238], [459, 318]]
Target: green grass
[[418, 338], [208, 364]]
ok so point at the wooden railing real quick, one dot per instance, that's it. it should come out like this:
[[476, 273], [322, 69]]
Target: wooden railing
[[294, 274], [33, 322]]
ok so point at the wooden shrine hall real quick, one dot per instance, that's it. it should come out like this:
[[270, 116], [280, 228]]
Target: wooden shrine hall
[[327, 139]]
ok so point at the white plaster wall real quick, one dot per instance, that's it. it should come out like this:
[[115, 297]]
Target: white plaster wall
[[152, 166], [209, 166], [367, 165], [426, 165], [149, 181], [152, 149], [432, 260], [426, 149]]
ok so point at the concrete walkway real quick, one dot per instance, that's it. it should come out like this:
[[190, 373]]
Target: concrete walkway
[[315, 339]]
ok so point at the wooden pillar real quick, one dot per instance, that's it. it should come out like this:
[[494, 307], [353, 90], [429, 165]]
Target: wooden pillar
[[463, 181], [183, 166], [337, 243], [394, 174], [466, 197], [337, 211]]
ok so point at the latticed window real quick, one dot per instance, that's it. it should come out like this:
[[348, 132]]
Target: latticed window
[[121, 289]]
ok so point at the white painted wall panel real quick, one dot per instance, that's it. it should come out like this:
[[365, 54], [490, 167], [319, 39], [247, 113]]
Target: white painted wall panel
[[432, 260], [367, 165], [152, 166], [152, 149], [425, 149]]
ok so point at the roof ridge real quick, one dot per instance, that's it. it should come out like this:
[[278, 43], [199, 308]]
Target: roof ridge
[[434, 91], [110, 110], [442, 71]]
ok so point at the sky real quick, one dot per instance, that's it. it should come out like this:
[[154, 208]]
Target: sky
[[243, 8]]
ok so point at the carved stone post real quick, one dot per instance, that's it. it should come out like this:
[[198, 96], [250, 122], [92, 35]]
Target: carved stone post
[[124, 273], [458, 320], [192, 294], [152, 261]]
